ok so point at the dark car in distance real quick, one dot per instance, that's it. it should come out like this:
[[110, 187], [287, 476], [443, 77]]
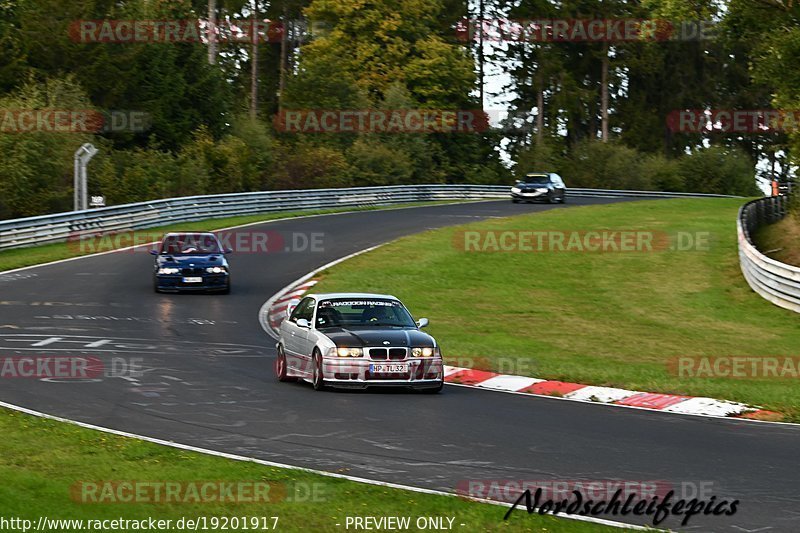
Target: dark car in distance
[[191, 262], [539, 186]]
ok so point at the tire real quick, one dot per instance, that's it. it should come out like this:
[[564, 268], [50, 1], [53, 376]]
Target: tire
[[564, 199], [281, 367], [514, 200], [155, 287], [316, 374]]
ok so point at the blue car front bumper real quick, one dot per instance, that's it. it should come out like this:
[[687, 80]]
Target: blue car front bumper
[[178, 283]]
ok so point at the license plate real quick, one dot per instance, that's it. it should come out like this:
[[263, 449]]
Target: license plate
[[388, 369], [193, 280]]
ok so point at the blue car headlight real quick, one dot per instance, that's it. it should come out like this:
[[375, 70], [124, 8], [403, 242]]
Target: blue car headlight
[[169, 270], [216, 270]]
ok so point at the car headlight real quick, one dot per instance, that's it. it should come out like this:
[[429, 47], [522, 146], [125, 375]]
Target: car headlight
[[421, 352], [542, 189], [516, 189], [169, 270], [216, 270], [349, 352]]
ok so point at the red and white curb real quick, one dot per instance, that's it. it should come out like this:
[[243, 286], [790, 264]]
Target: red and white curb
[[669, 403], [274, 312]]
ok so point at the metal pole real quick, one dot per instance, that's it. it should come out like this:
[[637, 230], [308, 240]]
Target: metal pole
[[76, 195], [83, 155], [84, 187]]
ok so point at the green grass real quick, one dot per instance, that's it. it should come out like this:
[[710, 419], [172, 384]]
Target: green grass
[[22, 257], [610, 319], [780, 241], [41, 460]]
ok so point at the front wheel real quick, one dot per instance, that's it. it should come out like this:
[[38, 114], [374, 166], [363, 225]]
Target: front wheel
[[281, 366], [515, 200], [317, 379]]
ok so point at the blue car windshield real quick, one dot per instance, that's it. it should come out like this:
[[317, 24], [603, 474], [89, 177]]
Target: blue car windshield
[[537, 180], [190, 245]]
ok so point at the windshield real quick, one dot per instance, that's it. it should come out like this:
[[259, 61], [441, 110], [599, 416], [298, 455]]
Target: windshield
[[363, 313], [190, 244], [536, 180]]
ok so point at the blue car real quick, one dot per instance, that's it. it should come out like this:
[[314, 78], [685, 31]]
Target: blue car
[[191, 262]]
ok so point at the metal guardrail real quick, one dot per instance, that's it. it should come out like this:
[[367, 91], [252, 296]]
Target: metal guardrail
[[777, 282], [64, 226]]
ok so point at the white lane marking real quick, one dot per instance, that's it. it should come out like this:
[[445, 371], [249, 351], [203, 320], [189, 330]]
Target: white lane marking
[[262, 462], [45, 342], [98, 344], [600, 394], [504, 382]]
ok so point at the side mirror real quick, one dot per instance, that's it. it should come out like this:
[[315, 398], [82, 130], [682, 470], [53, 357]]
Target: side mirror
[[153, 252], [422, 322], [303, 323]]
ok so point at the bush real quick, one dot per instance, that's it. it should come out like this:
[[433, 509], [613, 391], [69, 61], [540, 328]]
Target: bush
[[375, 163], [662, 173], [598, 165], [538, 157], [719, 170], [308, 166]]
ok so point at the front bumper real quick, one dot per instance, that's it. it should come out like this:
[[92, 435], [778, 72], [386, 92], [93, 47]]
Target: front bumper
[[174, 282], [528, 195], [356, 373]]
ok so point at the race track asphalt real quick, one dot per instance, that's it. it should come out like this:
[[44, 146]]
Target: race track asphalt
[[208, 382]]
